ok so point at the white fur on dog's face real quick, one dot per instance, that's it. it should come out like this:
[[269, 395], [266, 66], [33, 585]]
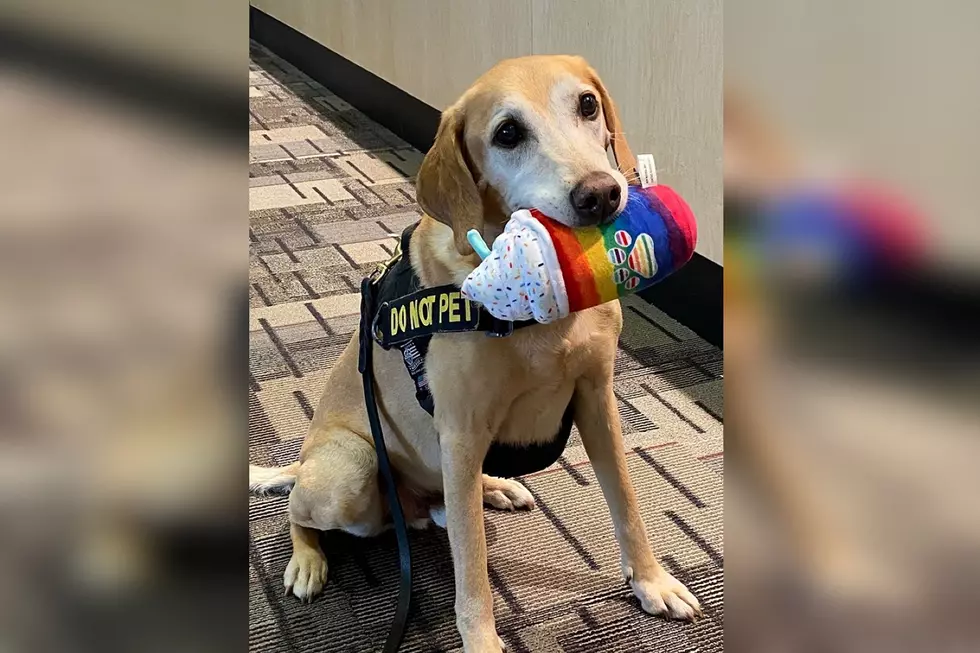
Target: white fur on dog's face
[[559, 149]]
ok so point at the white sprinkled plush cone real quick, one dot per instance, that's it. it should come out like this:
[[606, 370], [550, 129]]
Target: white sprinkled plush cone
[[521, 279]]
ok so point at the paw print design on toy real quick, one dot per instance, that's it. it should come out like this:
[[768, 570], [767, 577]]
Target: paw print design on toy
[[632, 266]]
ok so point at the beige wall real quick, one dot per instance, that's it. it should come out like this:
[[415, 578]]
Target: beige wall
[[660, 59], [433, 49]]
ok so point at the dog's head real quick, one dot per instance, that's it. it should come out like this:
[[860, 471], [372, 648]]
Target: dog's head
[[532, 132]]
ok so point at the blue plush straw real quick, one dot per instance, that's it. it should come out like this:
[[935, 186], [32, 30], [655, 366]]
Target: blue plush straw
[[477, 243]]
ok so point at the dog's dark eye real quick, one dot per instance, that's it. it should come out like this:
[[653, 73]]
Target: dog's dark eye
[[509, 134], [588, 106]]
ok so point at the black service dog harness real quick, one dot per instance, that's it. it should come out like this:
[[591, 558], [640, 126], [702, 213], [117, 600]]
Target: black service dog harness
[[407, 317], [397, 312]]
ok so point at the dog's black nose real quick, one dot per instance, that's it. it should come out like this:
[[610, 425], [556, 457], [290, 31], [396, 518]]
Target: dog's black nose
[[596, 197]]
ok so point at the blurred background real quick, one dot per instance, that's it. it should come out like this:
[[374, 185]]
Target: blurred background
[[851, 242], [123, 254], [851, 238]]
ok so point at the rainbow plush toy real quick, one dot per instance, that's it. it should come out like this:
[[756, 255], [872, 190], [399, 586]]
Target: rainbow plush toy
[[543, 270]]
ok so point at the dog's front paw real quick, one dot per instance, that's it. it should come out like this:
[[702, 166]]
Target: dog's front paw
[[664, 594], [305, 575], [505, 494]]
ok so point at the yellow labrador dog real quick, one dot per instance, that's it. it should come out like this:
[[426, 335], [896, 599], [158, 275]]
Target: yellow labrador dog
[[531, 132]]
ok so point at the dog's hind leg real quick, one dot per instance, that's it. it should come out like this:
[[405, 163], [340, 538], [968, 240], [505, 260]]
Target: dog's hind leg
[[336, 489]]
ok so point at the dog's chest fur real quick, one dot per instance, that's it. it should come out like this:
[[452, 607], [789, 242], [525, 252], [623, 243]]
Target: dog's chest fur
[[521, 385]]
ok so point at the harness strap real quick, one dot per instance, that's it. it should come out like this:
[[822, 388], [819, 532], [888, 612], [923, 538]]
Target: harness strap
[[366, 368], [414, 357], [428, 311], [407, 312]]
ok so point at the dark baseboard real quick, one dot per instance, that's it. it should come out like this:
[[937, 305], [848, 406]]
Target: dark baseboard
[[692, 296], [411, 119]]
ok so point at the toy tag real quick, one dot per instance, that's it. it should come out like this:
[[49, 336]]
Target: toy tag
[[647, 170]]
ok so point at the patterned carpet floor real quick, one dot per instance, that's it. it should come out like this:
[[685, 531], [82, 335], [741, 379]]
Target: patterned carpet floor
[[327, 189]]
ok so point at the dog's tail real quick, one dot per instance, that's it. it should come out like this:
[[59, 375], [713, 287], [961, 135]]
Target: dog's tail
[[272, 480]]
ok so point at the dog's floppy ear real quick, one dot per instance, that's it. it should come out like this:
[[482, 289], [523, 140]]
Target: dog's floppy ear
[[624, 155], [445, 187]]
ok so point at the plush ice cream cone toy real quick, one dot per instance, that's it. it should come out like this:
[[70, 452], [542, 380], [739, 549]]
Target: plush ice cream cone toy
[[543, 270]]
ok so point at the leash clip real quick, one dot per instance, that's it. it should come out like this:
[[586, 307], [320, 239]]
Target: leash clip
[[382, 268]]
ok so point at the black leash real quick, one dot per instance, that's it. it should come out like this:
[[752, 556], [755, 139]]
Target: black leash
[[366, 367]]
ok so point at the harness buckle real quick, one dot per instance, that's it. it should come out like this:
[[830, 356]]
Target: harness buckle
[[501, 329], [376, 329]]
